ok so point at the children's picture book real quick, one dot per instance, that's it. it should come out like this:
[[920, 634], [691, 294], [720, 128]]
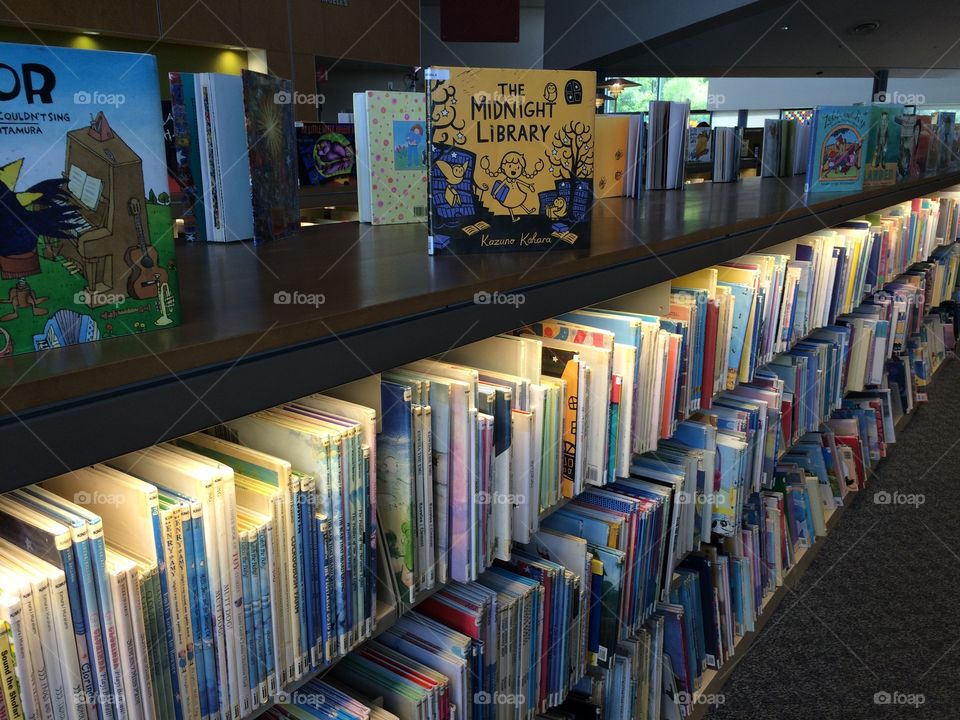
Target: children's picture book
[[327, 154], [837, 148], [883, 146], [698, 144], [271, 145], [512, 159], [947, 140], [910, 129], [86, 248], [613, 135], [391, 136], [925, 136]]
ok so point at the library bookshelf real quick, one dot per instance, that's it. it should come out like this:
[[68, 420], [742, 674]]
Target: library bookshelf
[[379, 301]]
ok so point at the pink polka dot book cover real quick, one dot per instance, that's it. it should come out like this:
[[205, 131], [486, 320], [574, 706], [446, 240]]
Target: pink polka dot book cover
[[512, 159], [392, 156]]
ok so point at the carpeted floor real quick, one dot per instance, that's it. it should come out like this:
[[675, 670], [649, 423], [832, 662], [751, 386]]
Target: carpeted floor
[[873, 627]]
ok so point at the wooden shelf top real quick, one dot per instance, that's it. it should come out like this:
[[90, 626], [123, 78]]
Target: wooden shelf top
[[380, 300]]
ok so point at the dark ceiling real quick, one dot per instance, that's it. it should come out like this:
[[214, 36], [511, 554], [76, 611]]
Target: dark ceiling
[[803, 37]]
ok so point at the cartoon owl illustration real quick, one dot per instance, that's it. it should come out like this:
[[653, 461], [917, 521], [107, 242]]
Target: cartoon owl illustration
[[453, 174]]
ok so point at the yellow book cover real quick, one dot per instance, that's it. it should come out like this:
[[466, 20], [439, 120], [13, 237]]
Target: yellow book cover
[[612, 131], [511, 158]]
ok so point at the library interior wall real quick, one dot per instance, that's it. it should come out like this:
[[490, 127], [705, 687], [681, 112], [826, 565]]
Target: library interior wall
[[342, 83], [528, 53]]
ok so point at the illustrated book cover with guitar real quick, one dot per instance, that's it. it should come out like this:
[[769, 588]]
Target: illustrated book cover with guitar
[[511, 159], [86, 237]]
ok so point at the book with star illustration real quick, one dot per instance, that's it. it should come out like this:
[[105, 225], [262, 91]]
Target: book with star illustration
[[511, 159], [86, 240]]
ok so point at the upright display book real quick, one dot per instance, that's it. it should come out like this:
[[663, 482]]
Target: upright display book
[[883, 146], [511, 159], [86, 248], [613, 138], [839, 135], [327, 154], [236, 147], [391, 156]]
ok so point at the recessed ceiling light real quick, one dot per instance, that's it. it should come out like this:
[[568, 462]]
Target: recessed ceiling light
[[784, 27], [91, 32], [864, 28]]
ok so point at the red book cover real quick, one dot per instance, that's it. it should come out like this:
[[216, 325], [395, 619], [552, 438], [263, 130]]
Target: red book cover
[[854, 444], [709, 353], [459, 620]]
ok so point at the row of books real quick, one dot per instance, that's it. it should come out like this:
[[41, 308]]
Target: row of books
[[683, 549], [193, 579]]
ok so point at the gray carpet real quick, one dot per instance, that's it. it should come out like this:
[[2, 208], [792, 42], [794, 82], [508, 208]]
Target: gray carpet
[[872, 627]]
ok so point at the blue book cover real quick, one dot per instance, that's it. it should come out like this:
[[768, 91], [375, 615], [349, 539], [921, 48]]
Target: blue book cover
[[266, 613], [259, 652], [395, 475], [837, 148], [251, 633], [742, 302], [206, 617], [87, 236]]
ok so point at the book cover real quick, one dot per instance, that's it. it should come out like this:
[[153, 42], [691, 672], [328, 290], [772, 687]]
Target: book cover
[[183, 111], [397, 156], [883, 146], [613, 133], [86, 248], [947, 140], [271, 146], [924, 135], [327, 154], [511, 159], [836, 148], [698, 144]]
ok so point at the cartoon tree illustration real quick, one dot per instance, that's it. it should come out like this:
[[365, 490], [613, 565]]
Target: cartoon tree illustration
[[571, 154], [447, 129]]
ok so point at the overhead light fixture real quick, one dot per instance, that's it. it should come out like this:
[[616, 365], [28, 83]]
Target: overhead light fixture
[[864, 28], [91, 32], [615, 86], [784, 27]]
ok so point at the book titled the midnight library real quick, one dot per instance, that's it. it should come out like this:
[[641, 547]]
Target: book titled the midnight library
[[86, 241], [511, 159]]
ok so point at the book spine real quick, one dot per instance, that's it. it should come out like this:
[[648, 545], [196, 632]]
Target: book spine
[[87, 693], [19, 662], [308, 630], [141, 641], [183, 664], [244, 536], [216, 555], [166, 626], [295, 543], [49, 639], [111, 647], [88, 601], [188, 525], [9, 684], [267, 609], [236, 595], [204, 633], [39, 679], [301, 545], [128, 651], [66, 642], [370, 497], [281, 572], [258, 655]]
